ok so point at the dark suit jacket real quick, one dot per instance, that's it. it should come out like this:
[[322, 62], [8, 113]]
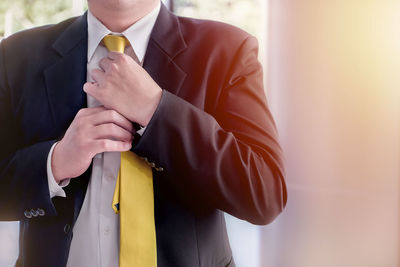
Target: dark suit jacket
[[212, 133]]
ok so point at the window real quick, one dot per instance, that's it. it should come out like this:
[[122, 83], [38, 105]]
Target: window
[[249, 15], [245, 14]]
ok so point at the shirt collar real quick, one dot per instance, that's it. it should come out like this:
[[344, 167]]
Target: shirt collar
[[138, 34]]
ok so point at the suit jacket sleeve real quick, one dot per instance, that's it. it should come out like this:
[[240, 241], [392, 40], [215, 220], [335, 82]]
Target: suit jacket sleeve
[[23, 173], [229, 158]]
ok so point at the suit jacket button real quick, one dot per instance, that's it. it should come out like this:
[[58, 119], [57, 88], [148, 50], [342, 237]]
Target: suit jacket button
[[28, 214], [152, 164], [160, 169], [41, 212], [34, 213], [67, 227]]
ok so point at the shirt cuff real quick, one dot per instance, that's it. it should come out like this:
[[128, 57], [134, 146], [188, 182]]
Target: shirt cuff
[[56, 190]]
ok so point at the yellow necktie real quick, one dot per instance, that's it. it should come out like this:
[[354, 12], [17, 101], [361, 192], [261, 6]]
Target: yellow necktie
[[134, 199]]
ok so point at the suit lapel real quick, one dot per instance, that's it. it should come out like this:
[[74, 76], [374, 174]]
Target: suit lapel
[[65, 78], [64, 83], [166, 42]]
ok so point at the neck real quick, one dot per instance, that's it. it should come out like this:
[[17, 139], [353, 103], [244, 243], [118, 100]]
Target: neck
[[117, 17]]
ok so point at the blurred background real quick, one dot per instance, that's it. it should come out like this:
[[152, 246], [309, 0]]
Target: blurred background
[[333, 83]]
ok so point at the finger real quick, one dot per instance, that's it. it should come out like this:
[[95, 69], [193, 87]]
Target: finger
[[94, 90], [119, 58], [111, 131], [111, 116], [90, 87], [106, 145], [115, 55], [98, 75], [105, 64], [89, 111]]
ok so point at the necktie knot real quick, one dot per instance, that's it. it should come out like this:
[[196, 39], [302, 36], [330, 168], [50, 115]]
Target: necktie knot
[[115, 43]]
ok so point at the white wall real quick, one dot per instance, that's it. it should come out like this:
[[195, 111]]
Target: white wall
[[334, 80]]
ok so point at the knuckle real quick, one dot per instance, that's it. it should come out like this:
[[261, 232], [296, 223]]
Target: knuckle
[[113, 115], [125, 58], [105, 144], [113, 67], [120, 58], [81, 112]]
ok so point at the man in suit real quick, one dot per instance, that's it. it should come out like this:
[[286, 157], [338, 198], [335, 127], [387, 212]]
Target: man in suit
[[68, 106]]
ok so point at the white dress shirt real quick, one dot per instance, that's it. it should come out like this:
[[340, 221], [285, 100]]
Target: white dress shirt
[[96, 232]]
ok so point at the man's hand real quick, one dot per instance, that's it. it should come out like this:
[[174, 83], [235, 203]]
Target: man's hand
[[124, 86], [93, 130]]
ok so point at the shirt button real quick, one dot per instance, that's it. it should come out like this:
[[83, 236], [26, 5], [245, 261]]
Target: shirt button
[[109, 177], [41, 212], [28, 214], [34, 213], [106, 230], [160, 169]]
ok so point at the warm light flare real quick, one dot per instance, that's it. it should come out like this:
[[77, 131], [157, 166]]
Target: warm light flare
[[335, 87]]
